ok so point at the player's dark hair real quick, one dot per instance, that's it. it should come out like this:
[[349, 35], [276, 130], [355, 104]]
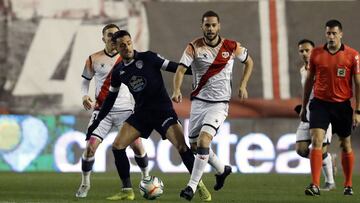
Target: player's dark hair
[[120, 34], [210, 14], [303, 41], [108, 26], [333, 23]]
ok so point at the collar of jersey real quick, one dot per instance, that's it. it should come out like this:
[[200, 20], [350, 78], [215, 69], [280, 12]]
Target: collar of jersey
[[217, 43], [342, 48]]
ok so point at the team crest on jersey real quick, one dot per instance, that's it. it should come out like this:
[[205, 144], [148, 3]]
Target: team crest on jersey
[[137, 83], [139, 64], [225, 54], [341, 72]]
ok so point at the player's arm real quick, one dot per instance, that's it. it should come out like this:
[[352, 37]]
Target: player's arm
[[357, 91], [177, 82], [308, 86], [184, 66], [87, 75], [242, 54], [108, 103], [167, 65]]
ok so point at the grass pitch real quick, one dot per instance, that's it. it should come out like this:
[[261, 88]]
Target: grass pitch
[[239, 188]]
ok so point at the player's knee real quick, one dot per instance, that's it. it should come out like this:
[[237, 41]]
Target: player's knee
[[89, 151], [303, 152], [345, 146], [181, 147]]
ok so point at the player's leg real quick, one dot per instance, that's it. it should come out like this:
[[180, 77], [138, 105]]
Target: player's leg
[[141, 157], [347, 162], [87, 162], [342, 125], [88, 157], [327, 169], [125, 137], [319, 122], [303, 139]]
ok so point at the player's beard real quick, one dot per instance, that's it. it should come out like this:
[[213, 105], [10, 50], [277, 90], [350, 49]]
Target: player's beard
[[210, 38]]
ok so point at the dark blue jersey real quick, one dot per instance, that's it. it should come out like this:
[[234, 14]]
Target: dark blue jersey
[[144, 80]]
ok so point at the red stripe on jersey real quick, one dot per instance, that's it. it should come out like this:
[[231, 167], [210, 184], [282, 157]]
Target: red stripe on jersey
[[105, 87], [218, 64]]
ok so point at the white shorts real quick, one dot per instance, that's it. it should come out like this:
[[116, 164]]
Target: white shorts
[[205, 113], [113, 119], [303, 133]]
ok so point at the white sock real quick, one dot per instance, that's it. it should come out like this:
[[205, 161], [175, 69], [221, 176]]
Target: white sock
[[144, 172], [198, 169], [215, 162], [328, 169], [85, 178]]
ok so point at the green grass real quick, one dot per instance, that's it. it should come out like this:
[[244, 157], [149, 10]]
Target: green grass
[[239, 188]]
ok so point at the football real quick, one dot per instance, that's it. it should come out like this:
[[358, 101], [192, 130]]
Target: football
[[151, 187]]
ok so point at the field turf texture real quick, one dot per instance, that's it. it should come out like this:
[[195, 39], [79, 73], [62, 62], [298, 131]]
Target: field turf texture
[[239, 188]]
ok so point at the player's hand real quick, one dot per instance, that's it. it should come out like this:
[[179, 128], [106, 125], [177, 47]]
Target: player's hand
[[356, 120], [87, 102], [176, 96], [243, 94], [91, 128], [303, 115]]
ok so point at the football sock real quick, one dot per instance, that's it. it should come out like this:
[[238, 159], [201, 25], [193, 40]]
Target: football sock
[[123, 166], [86, 167], [327, 168], [347, 162], [143, 162], [201, 159], [188, 159], [215, 162], [315, 163]]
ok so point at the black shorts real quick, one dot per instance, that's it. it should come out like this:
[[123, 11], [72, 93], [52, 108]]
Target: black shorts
[[339, 114], [145, 121]]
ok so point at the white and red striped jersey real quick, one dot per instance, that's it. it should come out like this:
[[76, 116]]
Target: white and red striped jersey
[[212, 68], [100, 65]]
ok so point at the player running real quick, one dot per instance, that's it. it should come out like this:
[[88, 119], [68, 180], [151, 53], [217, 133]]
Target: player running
[[140, 71], [99, 66]]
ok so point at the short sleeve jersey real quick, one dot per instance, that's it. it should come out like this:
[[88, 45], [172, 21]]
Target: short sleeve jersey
[[212, 68], [334, 72], [100, 65], [144, 80]]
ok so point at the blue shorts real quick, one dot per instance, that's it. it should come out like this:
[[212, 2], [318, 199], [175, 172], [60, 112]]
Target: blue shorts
[[145, 121]]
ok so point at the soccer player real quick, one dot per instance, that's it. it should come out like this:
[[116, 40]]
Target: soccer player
[[100, 65], [332, 69], [303, 138], [211, 58], [140, 71]]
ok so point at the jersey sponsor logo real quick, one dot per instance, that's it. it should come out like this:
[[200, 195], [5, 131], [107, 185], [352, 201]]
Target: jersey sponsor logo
[[341, 72], [225, 54], [139, 64], [137, 83]]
